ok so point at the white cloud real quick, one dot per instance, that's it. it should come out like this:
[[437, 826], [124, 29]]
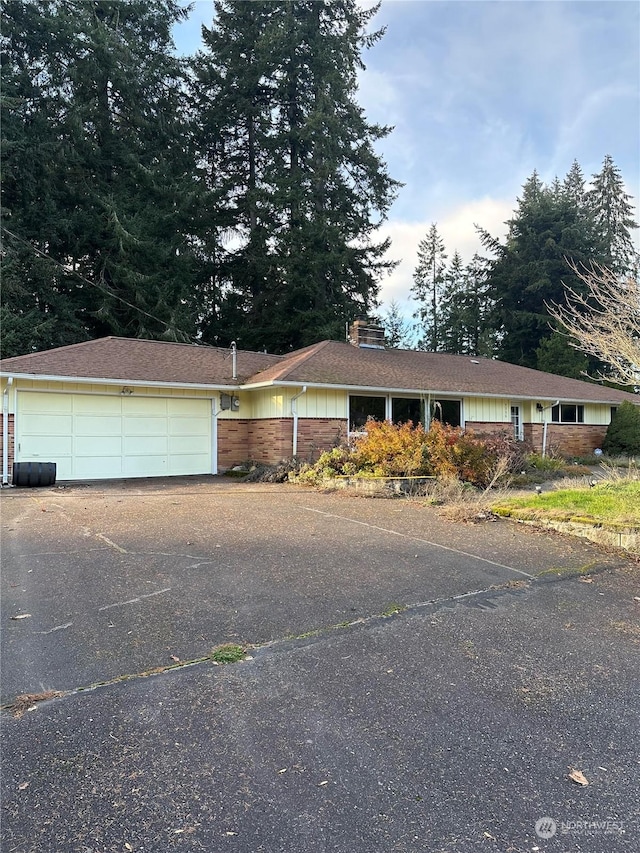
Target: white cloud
[[456, 226]]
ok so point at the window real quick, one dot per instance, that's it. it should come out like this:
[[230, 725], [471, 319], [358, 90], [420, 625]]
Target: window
[[447, 411], [405, 409], [567, 413], [363, 408]]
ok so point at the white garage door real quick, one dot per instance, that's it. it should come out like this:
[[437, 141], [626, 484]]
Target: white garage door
[[97, 437]]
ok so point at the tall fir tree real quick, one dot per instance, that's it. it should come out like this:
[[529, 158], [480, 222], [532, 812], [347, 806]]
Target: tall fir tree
[[428, 284], [530, 269], [397, 328], [302, 189], [612, 212], [467, 309], [99, 183]]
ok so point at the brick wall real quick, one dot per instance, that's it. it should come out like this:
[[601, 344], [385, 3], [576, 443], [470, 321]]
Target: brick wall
[[11, 441], [568, 439], [316, 435], [270, 440], [233, 442]]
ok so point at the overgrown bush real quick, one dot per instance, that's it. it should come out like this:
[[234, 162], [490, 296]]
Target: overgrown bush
[[623, 433], [388, 450]]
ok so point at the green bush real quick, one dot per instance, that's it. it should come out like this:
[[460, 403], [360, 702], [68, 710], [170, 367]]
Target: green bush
[[388, 450], [623, 433]]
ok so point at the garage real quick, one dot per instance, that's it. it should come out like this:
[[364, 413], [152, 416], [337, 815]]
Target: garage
[[102, 436]]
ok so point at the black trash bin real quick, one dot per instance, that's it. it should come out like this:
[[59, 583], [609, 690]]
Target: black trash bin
[[34, 473]]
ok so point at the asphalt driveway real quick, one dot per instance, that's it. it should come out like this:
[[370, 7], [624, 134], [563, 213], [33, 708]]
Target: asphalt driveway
[[449, 726]]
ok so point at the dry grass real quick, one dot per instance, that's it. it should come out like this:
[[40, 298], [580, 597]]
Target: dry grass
[[26, 701]]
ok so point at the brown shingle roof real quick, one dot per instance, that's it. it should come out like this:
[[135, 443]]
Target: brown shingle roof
[[343, 365], [326, 363], [135, 360]]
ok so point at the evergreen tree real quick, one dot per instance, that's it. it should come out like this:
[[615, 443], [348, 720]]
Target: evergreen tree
[[574, 186], [623, 433], [98, 176], [612, 211], [531, 267], [452, 309], [397, 329], [429, 278], [301, 187], [467, 309], [554, 356]]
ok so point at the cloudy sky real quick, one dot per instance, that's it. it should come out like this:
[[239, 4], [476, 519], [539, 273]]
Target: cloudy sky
[[482, 93]]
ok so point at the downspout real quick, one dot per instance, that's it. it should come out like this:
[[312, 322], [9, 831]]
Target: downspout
[[544, 427], [214, 435], [5, 432], [294, 412]]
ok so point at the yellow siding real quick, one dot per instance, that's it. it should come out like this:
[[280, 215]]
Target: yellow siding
[[487, 409], [315, 403]]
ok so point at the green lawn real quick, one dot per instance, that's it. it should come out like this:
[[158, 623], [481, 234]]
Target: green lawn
[[609, 504]]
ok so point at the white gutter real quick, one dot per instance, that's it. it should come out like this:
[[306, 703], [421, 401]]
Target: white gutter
[[294, 412], [5, 432]]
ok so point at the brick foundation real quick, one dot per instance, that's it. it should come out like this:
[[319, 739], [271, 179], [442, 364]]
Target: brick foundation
[[270, 440], [10, 443], [568, 439]]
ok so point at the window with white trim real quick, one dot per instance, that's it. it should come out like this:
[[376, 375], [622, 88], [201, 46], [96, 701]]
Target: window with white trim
[[567, 413]]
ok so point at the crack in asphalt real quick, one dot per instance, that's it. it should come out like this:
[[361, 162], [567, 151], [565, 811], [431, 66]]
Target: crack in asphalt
[[418, 539], [490, 592]]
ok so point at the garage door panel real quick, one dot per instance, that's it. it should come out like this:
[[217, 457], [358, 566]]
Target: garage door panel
[[96, 468], [45, 424], [49, 447], [95, 404], [144, 466], [144, 406], [195, 463], [109, 445], [197, 444], [144, 445], [144, 426], [188, 426], [95, 425]]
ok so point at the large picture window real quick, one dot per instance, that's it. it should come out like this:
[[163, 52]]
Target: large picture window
[[567, 413], [447, 411], [363, 408], [405, 409]]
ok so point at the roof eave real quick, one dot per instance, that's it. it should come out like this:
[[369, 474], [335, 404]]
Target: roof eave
[[137, 383]]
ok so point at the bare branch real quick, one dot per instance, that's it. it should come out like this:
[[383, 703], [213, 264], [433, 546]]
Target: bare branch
[[605, 322]]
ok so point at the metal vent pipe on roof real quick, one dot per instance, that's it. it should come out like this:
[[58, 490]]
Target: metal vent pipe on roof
[[234, 360]]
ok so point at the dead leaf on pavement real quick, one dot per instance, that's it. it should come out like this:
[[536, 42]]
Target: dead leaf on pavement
[[578, 777], [175, 658], [23, 785], [585, 580]]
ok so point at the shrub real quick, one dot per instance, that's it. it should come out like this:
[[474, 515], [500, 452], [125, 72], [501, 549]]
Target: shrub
[[389, 450], [623, 433]]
